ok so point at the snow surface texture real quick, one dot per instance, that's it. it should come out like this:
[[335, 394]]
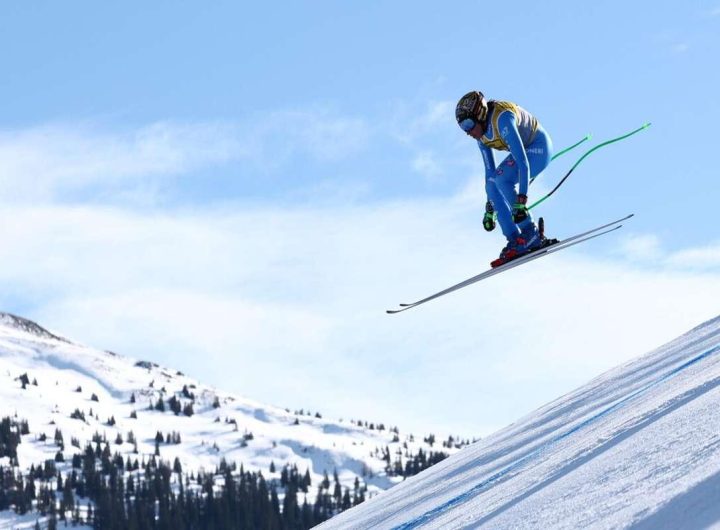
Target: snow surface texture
[[638, 447], [70, 376]]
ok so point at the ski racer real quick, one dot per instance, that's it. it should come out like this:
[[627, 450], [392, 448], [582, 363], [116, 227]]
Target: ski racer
[[505, 126]]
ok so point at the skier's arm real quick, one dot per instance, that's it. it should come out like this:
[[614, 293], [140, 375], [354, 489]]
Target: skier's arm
[[488, 159], [511, 135]]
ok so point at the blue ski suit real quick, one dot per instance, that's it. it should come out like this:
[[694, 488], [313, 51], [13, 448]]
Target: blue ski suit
[[511, 128]]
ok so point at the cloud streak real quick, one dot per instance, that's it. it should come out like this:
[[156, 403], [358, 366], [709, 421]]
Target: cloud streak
[[39, 161], [46, 162], [287, 305]]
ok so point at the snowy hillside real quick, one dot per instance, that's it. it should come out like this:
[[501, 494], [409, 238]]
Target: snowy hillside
[[636, 447], [139, 409]]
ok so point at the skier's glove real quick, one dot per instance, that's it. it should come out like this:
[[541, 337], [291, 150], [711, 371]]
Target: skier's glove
[[489, 217], [520, 211]]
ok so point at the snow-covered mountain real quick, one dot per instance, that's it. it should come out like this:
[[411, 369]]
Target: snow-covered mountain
[[86, 394], [636, 447]]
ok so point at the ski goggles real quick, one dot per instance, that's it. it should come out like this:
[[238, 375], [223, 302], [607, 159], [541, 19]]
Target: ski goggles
[[467, 125]]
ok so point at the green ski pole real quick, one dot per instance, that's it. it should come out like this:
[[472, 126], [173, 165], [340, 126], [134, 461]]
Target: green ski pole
[[573, 146], [583, 157]]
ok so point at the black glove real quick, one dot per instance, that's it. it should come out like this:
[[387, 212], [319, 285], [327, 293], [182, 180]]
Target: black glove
[[489, 217], [520, 211]]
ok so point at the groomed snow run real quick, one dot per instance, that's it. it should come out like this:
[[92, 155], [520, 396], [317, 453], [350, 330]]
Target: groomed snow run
[[638, 447]]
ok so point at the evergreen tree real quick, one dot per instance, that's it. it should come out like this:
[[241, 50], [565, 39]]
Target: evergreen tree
[[52, 521], [175, 405], [68, 500], [59, 439]]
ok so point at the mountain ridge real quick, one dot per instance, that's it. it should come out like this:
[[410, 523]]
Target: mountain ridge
[[29, 326], [87, 395]]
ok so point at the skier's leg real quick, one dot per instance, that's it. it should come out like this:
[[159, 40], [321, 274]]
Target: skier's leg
[[539, 154], [502, 207]]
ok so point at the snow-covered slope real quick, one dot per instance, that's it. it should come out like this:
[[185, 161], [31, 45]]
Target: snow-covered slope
[[636, 447], [63, 378]]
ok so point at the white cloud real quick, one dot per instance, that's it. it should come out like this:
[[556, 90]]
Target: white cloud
[[648, 250], [287, 306], [36, 162], [473, 191], [415, 119], [696, 258], [427, 165], [40, 163], [323, 134], [641, 247], [437, 112], [681, 47]]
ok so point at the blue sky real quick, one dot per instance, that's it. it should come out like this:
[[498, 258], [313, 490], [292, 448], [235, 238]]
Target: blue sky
[[373, 71], [256, 184]]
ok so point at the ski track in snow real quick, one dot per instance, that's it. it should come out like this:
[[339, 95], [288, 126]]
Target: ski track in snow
[[638, 447]]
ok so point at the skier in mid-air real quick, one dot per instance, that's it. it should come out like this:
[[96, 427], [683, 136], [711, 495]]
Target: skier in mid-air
[[505, 126]]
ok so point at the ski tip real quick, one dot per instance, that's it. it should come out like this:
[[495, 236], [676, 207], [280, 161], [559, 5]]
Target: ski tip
[[646, 125], [403, 307]]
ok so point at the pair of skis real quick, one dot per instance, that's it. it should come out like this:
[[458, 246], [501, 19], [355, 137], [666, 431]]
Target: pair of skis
[[526, 258]]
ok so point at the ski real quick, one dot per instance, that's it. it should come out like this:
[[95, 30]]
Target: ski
[[560, 245]]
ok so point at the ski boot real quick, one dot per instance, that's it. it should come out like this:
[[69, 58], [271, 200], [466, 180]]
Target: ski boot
[[545, 241], [513, 249], [535, 237], [531, 238]]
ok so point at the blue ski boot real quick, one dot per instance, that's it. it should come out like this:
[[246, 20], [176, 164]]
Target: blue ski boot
[[545, 241], [531, 237]]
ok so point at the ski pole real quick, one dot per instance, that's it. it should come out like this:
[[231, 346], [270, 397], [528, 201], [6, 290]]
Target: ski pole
[[608, 142], [573, 146]]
